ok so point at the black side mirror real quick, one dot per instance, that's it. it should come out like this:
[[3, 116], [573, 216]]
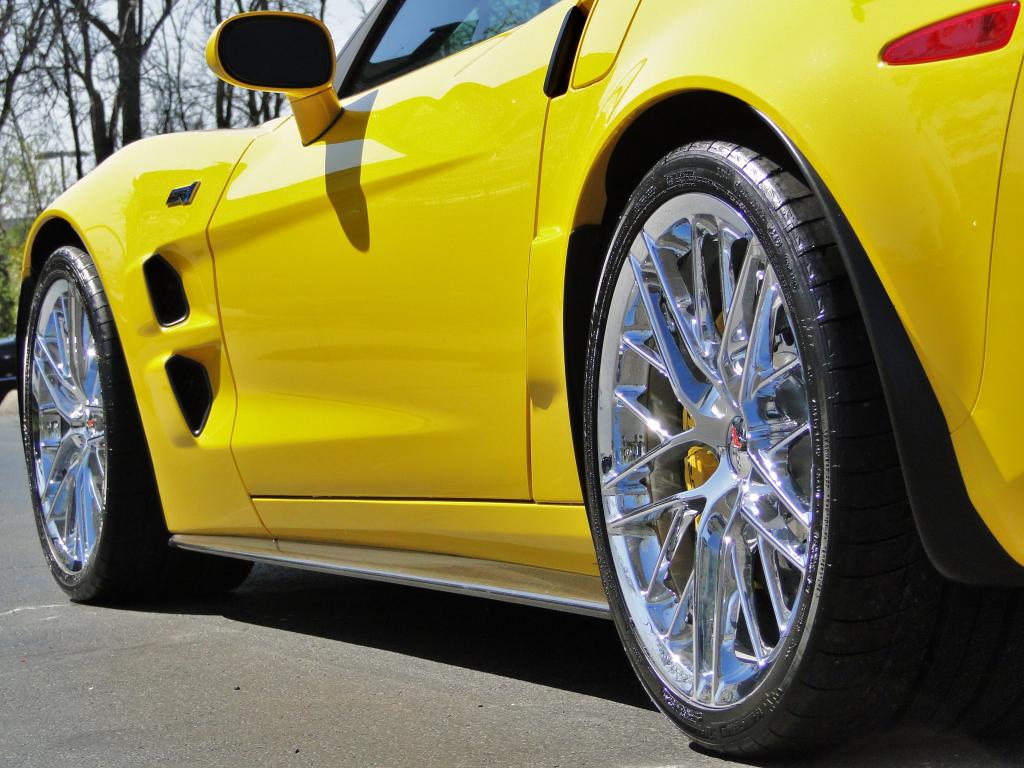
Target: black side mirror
[[281, 52], [272, 51]]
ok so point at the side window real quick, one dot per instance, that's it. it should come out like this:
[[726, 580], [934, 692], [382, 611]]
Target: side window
[[424, 31]]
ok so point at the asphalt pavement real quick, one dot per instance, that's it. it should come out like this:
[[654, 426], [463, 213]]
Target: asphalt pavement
[[301, 669]]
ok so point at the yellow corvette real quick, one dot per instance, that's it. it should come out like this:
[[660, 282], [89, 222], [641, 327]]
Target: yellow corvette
[[701, 315]]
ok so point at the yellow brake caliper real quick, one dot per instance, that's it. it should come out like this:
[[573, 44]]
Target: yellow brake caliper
[[700, 463]]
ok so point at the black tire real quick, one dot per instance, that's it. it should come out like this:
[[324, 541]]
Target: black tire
[[883, 638], [131, 558]]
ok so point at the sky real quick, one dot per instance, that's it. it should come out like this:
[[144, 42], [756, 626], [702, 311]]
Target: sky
[[341, 20]]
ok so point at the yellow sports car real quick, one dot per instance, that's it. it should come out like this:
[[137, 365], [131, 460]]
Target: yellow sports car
[[701, 315]]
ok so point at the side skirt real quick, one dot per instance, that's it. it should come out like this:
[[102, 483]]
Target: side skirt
[[527, 585]]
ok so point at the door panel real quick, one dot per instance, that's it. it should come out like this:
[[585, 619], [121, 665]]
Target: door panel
[[373, 285]]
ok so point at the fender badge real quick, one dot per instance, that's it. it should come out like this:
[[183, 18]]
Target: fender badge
[[182, 195]]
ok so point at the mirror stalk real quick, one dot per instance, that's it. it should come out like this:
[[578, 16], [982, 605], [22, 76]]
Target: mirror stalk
[[316, 113]]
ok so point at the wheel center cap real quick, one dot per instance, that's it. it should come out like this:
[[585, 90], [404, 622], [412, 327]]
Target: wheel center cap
[[738, 435], [87, 424], [736, 440]]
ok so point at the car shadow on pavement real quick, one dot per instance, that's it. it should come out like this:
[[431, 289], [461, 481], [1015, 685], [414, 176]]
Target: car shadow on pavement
[[907, 748], [574, 653]]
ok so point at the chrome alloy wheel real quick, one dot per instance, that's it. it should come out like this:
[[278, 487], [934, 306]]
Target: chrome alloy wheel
[[705, 444], [67, 429]]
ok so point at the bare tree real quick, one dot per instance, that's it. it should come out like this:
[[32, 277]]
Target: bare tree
[[130, 38], [61, 77], [363, 7], [22, 29], [176, 81]]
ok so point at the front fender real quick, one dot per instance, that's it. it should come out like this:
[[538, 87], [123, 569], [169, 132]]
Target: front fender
[[814, 70], [120, 214], [911, 155]]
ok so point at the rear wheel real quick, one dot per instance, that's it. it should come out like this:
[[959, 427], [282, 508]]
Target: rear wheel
[[96, 507], [743, 486]]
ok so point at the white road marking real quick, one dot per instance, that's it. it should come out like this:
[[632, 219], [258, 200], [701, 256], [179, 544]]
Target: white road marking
[[31, 608]]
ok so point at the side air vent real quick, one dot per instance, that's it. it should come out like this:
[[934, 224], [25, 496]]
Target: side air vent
[[562, 57], [166, 292], [191, 386]]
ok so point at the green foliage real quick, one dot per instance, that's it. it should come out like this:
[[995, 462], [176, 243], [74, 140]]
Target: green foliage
[[11, 242]]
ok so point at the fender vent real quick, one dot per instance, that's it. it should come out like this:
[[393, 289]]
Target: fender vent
[[166, 291], [562, 57], [191, 386]]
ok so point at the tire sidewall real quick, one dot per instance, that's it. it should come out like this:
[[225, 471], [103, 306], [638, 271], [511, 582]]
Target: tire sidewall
[[700, 170]]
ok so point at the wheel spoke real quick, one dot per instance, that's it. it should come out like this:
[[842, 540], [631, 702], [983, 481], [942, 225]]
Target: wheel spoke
[[782, 487], [727, 241], [675, 442], [685, 601], [711, 557], [688, 390], [88, 498], [787, 442], [736, 331], [73, 324], [59, 506], [628, 397], [703, 317], [717, 487], [62, 466], [685, 324], [60, 333], [778, 375], [773, 583], [80, 512], [718, 620], [646, 513], [91, 380], [776, 535], [680, 520], [67, 345], [85, 353], [50, 375], [759, 348], [635, 341], [744, 588], [702, 599]]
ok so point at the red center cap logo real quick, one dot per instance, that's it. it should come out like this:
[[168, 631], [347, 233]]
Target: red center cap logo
[[737, 436]]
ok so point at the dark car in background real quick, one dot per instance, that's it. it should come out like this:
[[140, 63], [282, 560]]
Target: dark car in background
[[8, 366]]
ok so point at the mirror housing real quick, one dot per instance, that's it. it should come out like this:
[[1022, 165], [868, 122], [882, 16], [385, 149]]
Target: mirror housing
[[285, 53]]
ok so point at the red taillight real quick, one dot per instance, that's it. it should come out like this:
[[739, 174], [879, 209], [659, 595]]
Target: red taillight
[[980, 31]]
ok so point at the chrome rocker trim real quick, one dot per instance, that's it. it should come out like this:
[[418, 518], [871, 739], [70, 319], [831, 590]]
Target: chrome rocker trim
[[508, 582]]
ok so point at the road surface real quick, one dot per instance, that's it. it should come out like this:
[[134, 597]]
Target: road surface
[[299, 669]]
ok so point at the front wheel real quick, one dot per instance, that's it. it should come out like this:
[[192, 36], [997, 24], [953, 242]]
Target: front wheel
[[744, 491], [95, 500]]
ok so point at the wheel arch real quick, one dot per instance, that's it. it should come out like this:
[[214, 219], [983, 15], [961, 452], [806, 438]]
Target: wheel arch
[[50, 234], [47, 235], [957, 541], [649, 133]]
